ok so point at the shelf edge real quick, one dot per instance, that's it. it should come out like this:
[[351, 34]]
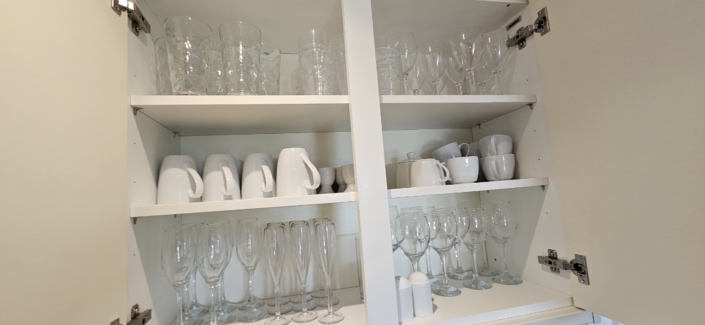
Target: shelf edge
[[467, 188]]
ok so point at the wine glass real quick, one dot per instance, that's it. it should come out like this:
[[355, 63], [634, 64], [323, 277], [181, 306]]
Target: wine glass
[[502, 227], [435, 61], [427, 210], [416, 77], [473, 240], [212, 257], [497, 53], [322, 293], [283, 301], [444, 229], [466, 47], [249, 247], [481, 76], [463, 221], [455, 71], [300, 243], [393, 214], [274, 250], [405, 42], [413, 235], [178, 257], [223, 307], [326, 243]]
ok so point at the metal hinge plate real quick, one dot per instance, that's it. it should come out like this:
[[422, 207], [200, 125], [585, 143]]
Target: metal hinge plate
[[578, 265], [136, 317], [540, 25], [137, 20]]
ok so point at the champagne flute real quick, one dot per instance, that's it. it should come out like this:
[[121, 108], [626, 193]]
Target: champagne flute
[[322, 293], [223, 307], [497, 53], [178, 257], [463, 220], [300, 243], [435, 61], [413, 234], [473, 240], [444, 229], [283, 301], [249, 247], [393, 214], [502, 227], [274, 250], [211, 259], [326, 242]]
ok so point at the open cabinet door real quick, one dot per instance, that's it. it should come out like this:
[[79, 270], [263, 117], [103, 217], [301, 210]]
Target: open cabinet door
[[624, 87], [63, 134]]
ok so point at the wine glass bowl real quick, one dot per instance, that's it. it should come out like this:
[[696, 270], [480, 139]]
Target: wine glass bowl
[[473, 240], [412, 231], [502, 228], [444, 229]]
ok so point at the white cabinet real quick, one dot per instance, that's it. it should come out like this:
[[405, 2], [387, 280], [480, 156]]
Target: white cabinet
[[606, 117]]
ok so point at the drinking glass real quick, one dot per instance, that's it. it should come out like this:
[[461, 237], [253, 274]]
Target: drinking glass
[[389, 66], [444, 229], [427, 210], [216, 77], [482, 77], [270, 60], [249, 247], [322, 293], [326, 243], [300, 243], [341, 70], [316, 63], [162, 66], [405, 43], [188, 48], [393, 215], [416, 77], [435, 61], [212, 258], [283, 301], [463, 220], [473, 240], [455, 71], [466, 47], [178, 257], [412, 230], [502, 227], [275, 250], [223, 307], [497, 53], [195, 308], [241, 55]]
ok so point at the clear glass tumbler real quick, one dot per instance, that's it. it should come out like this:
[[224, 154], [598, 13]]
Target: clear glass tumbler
[[389, 67], [270, 61], [216, 76], [188, 48], [162, 66], [316, 63], [241, 56]]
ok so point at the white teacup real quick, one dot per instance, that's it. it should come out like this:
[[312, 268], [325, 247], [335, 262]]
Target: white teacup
[[451, 150], [428, 172], [220, 179], [463, 170], [327, 179], [496, 144], [177, 179], [499, 167], [349, 176]]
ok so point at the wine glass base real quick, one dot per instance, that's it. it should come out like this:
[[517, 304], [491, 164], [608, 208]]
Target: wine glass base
[[283, 309], [477, 284], [446, 291], [435, 282], [319, 294], [226, 318], [248, 306], [323, 302], [278, 320], [306, 317], [272, 303], [486, 271], [331, 318], [252, 315], [460, 276], [198, 311], [309, 306], [297, 299], [507, 279], [189, 321]]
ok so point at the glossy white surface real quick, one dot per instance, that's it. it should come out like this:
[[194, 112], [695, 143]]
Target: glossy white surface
[[428, 172], [257, 177], [221, 181], [464, 169], [179, 181], [293, 170], [466, 188]]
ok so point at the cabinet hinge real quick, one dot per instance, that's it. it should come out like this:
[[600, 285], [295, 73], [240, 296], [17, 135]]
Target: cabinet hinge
[[540, 25], [136, 317], [578, 265], [137, 21]]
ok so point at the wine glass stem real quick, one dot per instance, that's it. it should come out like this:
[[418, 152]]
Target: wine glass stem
[[459, 268], [444, 259], [330, 297], [435, 87], [304, 309], [497, 80], [404, 77], [415, 265], [428, 261], [471, 81], [180, 303], [487, 258], [251, 289], [214, 319], [277, 301], [504, 258], [459, 86], [474, 263]]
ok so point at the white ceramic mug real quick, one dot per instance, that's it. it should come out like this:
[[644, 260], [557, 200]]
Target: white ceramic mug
[[257, 179], [496, 144], [179, 181], [221, 181], [463, 170], [428, 172], [296, 174], [327, 179], [240, 164], [451, 150], [349, 176], [340, 180], [499, 167]]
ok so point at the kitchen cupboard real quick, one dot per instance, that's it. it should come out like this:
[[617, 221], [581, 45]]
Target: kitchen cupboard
[[606, 115]]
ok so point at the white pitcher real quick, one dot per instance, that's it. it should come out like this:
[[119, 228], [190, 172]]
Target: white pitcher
[[296, 175], [220, 179], [176, 176], [257, 178]]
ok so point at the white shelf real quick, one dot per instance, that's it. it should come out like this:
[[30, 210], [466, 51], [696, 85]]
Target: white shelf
[[465, 188], [218, 115], [447, 111], [500, 302], [275, 202]]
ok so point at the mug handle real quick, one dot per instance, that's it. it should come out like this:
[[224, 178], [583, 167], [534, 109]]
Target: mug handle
[[444, 172], [314, 171], [268, 185], [461, 149], [229, 181], [199, 183]]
